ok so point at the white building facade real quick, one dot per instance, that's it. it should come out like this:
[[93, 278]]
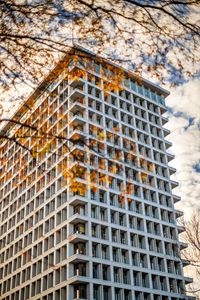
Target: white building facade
[[116, 236]]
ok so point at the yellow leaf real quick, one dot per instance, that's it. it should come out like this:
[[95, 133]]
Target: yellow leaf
[[101, 135]]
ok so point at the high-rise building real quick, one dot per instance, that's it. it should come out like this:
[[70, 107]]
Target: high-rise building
[[86, 204]]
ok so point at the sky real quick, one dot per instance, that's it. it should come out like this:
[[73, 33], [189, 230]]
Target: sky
[[184, 123]]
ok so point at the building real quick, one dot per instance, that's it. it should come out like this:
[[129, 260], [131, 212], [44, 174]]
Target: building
[[90, 214]]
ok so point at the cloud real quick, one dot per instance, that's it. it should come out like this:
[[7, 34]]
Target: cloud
[[184, 124], [186, 99]]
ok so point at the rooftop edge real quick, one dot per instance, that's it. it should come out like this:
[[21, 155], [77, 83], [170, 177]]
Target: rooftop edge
[[56, 70]]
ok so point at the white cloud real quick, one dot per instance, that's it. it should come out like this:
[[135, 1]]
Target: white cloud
[[186, 99], [184, 123]]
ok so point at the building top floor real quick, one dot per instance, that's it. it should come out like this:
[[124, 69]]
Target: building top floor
[[99, 67]]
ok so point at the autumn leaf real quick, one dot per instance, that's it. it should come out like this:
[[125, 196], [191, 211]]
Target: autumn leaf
[[150, 167], [76, 137], [144, 177], [93, 176], [129, 200], [130, 189], [101, 135], [121, 199], [94, 188]]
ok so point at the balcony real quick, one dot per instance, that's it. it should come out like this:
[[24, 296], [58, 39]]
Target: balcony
[[79, 228], [178, 213], [174, 184], [80, 269], [77, 200], [166, 132], [164, 120], [181, 229], [77, 124], [80, 248], [78, 257], [170, 157], [80, 292], [77, 237], [77, 84], [188, 280], [79, 233], [185, 262], [176, 198], [77, 97], [183, 245], [168, 144], [172, 170], [163, 109], [78, 273], [76, 219], [79, 209]]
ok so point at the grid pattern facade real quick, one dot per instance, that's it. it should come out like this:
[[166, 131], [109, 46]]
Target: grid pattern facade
[[100, 243]]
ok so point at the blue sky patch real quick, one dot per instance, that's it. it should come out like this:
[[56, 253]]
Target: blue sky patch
[[196, 167]]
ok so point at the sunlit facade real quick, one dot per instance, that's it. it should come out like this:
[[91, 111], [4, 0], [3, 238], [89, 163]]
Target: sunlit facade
[[115, 238]]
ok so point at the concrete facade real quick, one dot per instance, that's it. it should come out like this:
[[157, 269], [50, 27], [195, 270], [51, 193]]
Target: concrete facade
[[118, 241]]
